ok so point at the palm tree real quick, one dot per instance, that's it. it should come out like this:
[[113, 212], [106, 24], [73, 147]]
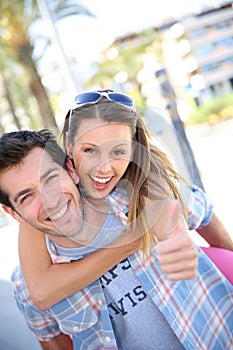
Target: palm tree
[[19, 101], [6, 89], [16, 17]]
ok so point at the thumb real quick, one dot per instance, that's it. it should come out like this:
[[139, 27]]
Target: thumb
[[176, 220]]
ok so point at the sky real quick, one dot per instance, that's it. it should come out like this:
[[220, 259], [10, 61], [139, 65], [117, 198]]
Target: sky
[[128, 15], [85, 37], [113, 19]]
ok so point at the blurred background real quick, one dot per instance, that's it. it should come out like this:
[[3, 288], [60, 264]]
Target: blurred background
[[175, 60]]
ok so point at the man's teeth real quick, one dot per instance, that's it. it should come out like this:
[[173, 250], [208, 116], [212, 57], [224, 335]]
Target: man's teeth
[[100, 179], [59, 214]]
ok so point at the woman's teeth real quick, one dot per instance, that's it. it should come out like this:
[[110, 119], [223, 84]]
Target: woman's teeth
[[101, 179]]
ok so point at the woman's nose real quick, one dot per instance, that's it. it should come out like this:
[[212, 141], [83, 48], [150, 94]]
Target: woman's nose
[[104, 165]]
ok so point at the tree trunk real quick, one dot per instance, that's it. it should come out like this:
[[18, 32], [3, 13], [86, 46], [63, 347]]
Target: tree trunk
[[10, 103], [37, 88], [40, 93], [2, 130]]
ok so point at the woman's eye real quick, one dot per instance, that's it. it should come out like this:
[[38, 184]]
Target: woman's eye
[[89, 150], [118, 152]]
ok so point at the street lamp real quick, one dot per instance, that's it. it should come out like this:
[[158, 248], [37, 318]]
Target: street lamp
[[168, 94]]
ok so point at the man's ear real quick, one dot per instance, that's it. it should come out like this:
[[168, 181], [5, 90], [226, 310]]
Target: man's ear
[[72, 171], [13, 213]]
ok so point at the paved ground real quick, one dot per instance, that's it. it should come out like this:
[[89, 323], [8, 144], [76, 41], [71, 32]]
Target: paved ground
[[14, 334], [213, 150], [213, 147]]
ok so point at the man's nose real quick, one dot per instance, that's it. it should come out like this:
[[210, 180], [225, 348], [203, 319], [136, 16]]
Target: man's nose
[[50, 197]]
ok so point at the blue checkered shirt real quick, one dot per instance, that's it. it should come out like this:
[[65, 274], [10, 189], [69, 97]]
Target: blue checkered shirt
[[199, 311]]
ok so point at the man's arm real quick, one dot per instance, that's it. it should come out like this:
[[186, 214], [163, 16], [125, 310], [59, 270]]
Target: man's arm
[[60, 342], [216, 234]]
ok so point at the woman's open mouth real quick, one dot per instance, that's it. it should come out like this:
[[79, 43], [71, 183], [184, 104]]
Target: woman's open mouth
[[100, 183]]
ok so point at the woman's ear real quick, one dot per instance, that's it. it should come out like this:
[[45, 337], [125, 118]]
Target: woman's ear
[[13, 213], [72, 171], [68, 147]]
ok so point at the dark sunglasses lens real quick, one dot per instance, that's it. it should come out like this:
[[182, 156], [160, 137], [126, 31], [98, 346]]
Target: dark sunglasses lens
[[120, 98], [87, 97]]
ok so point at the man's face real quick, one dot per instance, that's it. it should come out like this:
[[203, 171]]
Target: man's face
[[44, 195]]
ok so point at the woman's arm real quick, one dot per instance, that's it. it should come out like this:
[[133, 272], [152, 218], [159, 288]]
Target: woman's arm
[[50, 283]]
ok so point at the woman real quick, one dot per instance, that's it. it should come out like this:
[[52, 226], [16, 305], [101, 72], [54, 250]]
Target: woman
[[149, 169]]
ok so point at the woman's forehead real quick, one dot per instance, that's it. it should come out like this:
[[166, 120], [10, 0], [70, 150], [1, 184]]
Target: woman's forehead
[[99, 129]]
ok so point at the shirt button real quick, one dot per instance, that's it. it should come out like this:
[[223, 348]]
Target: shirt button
[[75, 328], [100, 302], [108, 339]]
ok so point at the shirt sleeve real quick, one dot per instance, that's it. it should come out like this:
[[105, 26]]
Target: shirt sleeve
[[41, 323], [199, 208]]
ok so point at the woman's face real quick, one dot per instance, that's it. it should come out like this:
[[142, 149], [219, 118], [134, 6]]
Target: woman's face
[[101, 154]]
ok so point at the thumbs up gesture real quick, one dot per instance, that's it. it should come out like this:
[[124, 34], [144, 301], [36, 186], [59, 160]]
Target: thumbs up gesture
[[177, 253]]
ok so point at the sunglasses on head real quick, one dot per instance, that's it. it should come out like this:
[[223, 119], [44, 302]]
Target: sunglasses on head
[[94, 97]]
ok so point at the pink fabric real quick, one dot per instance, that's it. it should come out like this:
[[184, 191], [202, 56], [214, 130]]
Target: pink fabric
[[223, 259]]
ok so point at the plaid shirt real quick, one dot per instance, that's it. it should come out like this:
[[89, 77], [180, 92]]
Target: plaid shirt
[[197, 203], [199, 311], [199, 208]]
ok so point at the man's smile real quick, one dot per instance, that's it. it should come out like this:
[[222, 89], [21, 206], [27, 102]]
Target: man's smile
[[59, 214]]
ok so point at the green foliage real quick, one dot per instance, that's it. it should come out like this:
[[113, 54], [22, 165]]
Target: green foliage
[[218, 109], [129, 55], [26, 97]]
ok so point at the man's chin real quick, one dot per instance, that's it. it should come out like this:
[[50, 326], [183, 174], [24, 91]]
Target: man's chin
[[47, 230]]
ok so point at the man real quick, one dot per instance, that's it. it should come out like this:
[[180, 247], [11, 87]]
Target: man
[[37, 189]]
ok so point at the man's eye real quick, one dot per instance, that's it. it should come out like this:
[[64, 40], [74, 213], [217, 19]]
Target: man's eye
[[51, 177], [24, 198]]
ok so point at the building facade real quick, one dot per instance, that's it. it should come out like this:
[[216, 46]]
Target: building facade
[[198, 53]]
